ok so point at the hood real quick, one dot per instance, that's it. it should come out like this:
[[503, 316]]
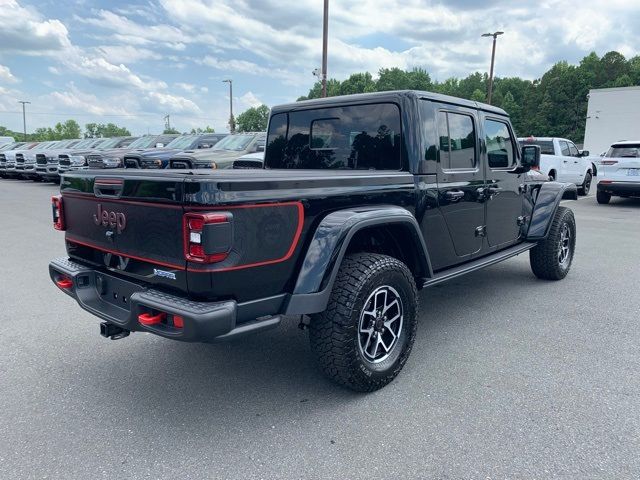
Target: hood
[[159, 153], [208, 155]]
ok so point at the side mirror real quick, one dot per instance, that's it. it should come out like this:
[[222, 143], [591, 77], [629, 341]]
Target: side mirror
[[584, 153], [204, 145], [159, 145], [260, 148], [530, 157]]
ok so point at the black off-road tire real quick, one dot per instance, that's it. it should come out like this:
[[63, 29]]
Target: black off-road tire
[[586, 185], [603, 197], [335, 333], [546, 257]]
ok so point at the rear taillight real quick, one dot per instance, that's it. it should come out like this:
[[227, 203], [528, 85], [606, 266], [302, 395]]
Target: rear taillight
[[537, 168], [207, 237], [58, 212]]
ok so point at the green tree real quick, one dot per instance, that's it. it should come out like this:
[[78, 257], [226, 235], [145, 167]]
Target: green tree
[[478, 96], [358, 83], [68, 129], [171, 130], [254, 119], [392, 79], [100, 130], [199, 130], [333, 90]]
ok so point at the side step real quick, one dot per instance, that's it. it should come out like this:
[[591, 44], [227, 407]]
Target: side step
[[477, 264]]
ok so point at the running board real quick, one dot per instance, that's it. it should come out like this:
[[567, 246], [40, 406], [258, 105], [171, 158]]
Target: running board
[[479, 263]]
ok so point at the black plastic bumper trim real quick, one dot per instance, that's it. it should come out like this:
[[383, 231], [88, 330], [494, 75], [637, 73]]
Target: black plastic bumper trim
[[203, 321]]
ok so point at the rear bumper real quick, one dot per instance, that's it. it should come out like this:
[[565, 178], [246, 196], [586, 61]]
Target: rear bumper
[[121, 302], [618, 188]]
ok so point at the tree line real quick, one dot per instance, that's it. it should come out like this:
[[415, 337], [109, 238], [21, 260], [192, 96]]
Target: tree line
[[553, 105]]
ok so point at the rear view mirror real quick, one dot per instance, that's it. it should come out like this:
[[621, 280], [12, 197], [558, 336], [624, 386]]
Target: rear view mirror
[[584, 153], [531, 157]]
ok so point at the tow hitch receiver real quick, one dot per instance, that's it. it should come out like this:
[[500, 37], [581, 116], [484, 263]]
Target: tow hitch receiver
[[109, 330]]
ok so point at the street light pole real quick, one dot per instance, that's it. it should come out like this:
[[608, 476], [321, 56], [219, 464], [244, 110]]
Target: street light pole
[[24, 118], [232, 122], [325, 37], [493, 58]]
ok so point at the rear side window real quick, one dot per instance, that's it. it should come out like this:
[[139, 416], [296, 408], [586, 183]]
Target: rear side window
[[457, 141], [357, 137], [564, 147], [499, 142]]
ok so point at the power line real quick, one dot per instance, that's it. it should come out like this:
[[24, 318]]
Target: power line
[[97, 115]]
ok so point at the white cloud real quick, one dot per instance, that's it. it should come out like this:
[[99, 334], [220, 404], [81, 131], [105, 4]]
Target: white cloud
[[249, 100], [6, 76], [131, 32], [126, 53], [24, 31], [74, 100], [172, 103]]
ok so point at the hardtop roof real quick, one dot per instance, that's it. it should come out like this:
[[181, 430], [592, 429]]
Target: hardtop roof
[[393, 95]]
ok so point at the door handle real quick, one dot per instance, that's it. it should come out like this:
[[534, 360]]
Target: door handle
[[454, 195], [494, 189], [565, 161]]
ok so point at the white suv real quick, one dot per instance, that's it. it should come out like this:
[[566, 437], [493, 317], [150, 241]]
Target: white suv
[[619, 172]]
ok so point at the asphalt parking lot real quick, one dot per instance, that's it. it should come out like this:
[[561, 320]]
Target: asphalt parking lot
[[510, 377]]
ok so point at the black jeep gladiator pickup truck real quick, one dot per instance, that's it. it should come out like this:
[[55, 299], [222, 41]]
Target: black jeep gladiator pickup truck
[[363, 200]]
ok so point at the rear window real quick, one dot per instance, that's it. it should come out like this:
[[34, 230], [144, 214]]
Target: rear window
[[357, 137], [546, 146], [624, 151]]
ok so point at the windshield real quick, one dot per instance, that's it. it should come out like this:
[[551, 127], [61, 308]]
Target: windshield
[[84, 143], [182, 142], [109, 143], [11, 146], [144, 142], [234, 142], [105, 142], [624, 151]]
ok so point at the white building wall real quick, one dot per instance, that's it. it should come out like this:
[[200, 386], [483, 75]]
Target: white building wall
[[613, 114]]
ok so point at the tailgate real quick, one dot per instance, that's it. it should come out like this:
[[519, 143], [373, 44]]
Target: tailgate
[[130, 225]]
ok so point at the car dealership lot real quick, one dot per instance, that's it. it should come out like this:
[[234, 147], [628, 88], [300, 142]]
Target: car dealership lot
[[510, 377]]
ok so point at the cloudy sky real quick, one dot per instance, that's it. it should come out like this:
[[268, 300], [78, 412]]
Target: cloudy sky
[[132, 62]]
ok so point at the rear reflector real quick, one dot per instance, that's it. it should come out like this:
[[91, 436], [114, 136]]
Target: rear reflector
[[178, 322], [148, 319], [58, 212], [64, 282]]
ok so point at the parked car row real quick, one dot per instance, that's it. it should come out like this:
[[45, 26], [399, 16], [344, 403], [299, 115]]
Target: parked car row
[[46, 161]]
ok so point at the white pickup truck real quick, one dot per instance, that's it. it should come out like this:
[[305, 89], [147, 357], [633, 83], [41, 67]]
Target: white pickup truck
[[562, 161]]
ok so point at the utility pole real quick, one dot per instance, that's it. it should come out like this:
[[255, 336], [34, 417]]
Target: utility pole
[[232, 122], [325, 38], [493, 57], [24, 118], [167, 122]]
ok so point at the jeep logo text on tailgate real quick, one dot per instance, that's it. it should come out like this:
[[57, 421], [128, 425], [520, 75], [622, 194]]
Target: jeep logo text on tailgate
[[110, 219]]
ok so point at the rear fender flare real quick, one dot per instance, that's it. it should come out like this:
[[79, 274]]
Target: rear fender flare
[[547, 202], [328, 248]]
